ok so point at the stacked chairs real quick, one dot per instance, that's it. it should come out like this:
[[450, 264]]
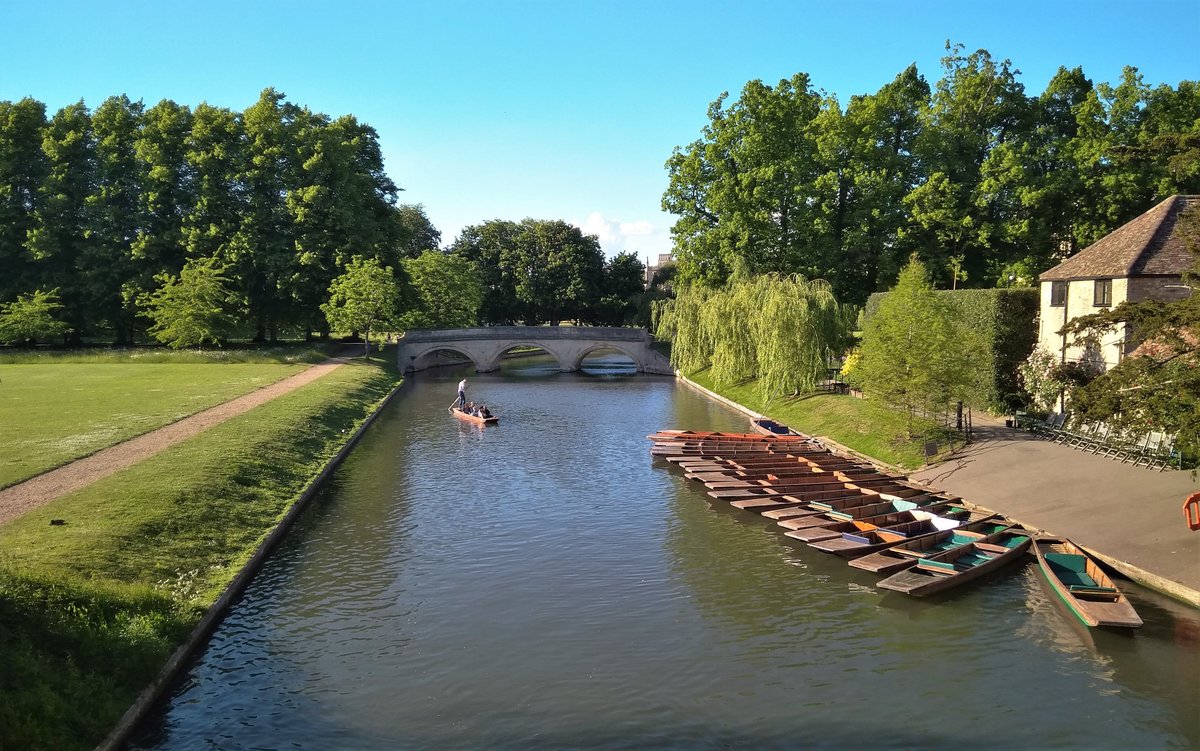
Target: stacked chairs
[[1153, 449]]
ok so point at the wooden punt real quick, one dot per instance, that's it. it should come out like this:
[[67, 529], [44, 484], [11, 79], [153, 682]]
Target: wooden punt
[[789, 470], [808, 478], [826, 515], [854, 544], [762, 504], [745, 461], [1082, 585], [835, 529], [959, 565], [905, 555], [883, 485], [723, 449], [702, 435], [767, 426], [493, 420]]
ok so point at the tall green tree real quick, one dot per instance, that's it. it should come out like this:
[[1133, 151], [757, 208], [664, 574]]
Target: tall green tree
[[534, 271], [417, 233], [621, 291], [215, 153], [448, 291], [492, 248], [195, 307], [114, 215], [60, 238], [365, 298], [977, 106], [261, 251], [167, 199], [914, 354], [23, 170], [743, 190]]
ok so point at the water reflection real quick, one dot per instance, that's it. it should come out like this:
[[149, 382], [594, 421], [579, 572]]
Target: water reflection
[[545, 584]]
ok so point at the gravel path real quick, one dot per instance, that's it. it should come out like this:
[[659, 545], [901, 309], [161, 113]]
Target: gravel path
[[37, 491]]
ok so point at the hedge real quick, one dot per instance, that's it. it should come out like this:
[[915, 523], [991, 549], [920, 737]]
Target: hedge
[[1008, 320]]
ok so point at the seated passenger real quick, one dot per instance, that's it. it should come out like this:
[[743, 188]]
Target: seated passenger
[[484, 412]]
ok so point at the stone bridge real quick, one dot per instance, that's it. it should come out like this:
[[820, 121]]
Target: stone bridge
[[485, 347]]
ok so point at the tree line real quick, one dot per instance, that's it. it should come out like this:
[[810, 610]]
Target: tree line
[[198, 223], [987, 184], [102, 205]]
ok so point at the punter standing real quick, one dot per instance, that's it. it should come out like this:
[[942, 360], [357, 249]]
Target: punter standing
[[462, 393]]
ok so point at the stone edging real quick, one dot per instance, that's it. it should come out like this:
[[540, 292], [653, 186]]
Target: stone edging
[[150, 695]]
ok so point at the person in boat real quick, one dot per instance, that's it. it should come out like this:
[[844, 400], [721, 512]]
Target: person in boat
[[484, 412], [461, 401]]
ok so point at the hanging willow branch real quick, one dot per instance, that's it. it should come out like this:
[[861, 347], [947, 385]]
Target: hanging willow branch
[[778, 329]]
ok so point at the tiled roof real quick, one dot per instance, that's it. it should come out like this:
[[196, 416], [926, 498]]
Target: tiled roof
[[1146, 246]]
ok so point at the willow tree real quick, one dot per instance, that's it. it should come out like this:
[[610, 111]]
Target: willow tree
[[780, 330], [679, 320]]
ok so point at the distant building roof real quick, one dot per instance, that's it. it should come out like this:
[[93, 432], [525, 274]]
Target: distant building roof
[[1146, 246]]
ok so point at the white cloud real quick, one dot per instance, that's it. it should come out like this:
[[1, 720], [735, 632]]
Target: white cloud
[[642, 237]]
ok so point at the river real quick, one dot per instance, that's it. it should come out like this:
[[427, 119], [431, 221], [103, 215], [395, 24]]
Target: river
[[545, 584]]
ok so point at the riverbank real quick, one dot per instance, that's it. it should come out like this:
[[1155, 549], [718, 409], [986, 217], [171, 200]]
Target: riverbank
[[1127, 516], [862, 426], [91, 609]]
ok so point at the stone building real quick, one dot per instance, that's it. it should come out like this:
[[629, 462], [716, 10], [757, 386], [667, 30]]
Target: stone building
[[663, 260], [1143, 259]]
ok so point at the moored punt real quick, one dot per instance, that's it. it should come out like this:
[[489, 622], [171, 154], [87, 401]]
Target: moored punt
[[853, 545], [959, 565], [793, 500], [882, 485], [805, 478], [702, 435], [825, 515], [767, 426], [1082, 585], [493, 420], [748, 461], [794, 470], [724, 449], [905, 555], [834, 529]]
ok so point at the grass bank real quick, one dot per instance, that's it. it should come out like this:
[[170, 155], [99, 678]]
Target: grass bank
[[59, 406], [866, 426], [90, 610]]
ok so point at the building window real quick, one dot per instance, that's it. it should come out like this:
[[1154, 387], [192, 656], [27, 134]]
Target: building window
[[1103, 294], [1058, 294]]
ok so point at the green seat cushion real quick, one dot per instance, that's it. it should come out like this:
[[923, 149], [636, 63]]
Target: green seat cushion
[[1070, 569], [1068, 561]]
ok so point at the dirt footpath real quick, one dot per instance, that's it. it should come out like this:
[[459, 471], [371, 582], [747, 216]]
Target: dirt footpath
[[37, 491]]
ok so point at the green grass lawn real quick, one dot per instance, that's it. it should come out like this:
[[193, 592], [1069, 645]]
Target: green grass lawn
[[863, 425], [55, 411], [90, 610]]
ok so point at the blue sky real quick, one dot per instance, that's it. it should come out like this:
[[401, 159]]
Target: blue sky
[[553, 110]]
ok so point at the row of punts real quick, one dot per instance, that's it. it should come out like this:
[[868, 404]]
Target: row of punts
[[920, 541]]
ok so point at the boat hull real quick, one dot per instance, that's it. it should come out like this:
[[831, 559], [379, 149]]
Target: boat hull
[[1077, 580]]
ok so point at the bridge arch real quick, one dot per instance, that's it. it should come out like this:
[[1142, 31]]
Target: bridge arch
[[505, 347], [425, 358], [578, 363]]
